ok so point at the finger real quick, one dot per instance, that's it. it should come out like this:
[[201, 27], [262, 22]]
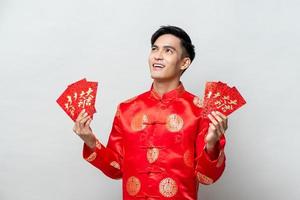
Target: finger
[[225, 119], [87, 124], [218, 118], [219, 126], [221, 115], [215, 126], [86, 120], [219, 132], [220, 121], [212, 127], [213, 120], [80, 116], [83, 121]]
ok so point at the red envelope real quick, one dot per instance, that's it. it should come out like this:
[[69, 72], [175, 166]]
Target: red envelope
[[220, 97], [210, 88], [79, 95]]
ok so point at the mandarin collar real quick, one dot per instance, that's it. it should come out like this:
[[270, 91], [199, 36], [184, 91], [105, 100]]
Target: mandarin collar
[[168, 96]]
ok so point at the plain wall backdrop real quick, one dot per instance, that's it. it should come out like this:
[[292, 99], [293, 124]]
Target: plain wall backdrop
[[46, 45]]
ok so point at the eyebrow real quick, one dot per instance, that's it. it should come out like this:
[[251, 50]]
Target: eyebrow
[[166, 47]]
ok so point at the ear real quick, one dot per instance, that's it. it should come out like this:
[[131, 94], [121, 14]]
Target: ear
[[186, 61]]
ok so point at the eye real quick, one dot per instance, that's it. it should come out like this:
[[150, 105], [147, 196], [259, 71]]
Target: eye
[[153, 48], [169, 51]]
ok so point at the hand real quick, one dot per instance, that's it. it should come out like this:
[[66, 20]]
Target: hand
[[83, 130], [216, 129]]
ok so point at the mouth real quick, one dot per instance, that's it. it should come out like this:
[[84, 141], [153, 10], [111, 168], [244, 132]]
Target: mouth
[[157, 66]]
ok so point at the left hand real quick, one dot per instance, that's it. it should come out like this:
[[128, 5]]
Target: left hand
[[217, 127]]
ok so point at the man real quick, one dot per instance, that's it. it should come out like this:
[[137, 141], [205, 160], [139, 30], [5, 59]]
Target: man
[[159, 145]]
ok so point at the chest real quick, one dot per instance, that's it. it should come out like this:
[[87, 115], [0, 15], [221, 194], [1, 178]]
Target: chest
[[160, 124]]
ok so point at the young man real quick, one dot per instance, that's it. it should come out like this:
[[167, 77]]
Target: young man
[[159, 145]]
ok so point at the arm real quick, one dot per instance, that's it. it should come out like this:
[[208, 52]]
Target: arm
[[108, 159], [210, 157]]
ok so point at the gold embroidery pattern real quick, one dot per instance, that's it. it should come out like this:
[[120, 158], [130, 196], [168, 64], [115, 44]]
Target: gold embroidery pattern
[[92, 157], [115, 164], [152, 154], [98, 145], [198, 102], [204, 179], [138, 122], [174, 123], [168, 187], [221, 159], [188, 158], [133, 185]]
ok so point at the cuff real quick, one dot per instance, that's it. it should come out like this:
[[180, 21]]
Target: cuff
[[91, 154]]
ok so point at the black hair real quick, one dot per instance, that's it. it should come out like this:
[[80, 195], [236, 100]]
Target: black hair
[[185, 39]]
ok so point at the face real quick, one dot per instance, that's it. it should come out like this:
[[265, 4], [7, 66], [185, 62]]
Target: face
[[166, 60]]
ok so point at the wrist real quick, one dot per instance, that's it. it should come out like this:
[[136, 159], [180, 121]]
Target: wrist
[[90, 141], [211, 146], [212, 149]]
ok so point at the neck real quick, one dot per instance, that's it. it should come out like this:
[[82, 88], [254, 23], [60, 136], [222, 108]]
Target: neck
[[162, 87]]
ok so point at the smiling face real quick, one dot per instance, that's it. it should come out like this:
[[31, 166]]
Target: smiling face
[[166, 59]]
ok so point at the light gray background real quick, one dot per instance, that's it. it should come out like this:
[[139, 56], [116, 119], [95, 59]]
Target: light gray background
[[45, 45]]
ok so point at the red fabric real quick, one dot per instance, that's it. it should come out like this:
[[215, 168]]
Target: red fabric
[[157, 147]]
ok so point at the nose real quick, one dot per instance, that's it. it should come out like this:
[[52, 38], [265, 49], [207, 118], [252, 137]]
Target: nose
[[158, 55]]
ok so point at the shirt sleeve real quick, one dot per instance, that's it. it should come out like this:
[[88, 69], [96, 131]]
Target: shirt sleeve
[[208, 170], [108, 159]]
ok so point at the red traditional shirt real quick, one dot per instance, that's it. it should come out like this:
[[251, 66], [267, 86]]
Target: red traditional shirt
[[157, 147]]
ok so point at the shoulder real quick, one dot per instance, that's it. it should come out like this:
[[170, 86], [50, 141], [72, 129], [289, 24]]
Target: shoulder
[[128, 102], [135, 98], [194, 100]]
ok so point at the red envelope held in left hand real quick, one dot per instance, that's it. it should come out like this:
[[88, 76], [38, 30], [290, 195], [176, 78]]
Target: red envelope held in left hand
[[218, 96]]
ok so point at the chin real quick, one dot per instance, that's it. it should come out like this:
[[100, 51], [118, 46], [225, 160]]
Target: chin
[[157, 75], [159, 78]]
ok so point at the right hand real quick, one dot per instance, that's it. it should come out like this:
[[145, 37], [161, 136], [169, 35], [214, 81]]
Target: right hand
[[83, 130]]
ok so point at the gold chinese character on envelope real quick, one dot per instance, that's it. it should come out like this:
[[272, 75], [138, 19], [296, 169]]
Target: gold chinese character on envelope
[[79, 95], [218, 96]]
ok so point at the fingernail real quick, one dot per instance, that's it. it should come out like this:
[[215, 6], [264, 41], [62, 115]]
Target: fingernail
[[85, 114]]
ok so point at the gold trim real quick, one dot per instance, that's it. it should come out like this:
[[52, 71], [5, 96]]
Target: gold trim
[[204, 179], [115, 164], [133, 185], [138, 122], [174, 123], [198, 102], [98, 145], [91, 157], [168, 187], [152, 154]]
